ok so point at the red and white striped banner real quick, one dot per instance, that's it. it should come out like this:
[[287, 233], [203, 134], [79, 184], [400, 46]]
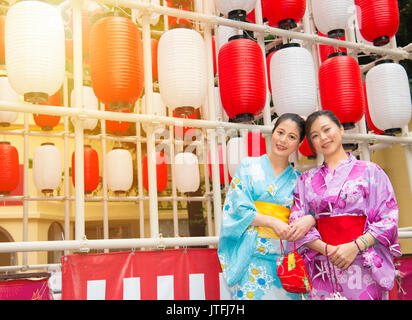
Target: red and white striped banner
[[175, 274]]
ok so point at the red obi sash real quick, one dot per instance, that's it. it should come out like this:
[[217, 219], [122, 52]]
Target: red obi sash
[[340, 229]]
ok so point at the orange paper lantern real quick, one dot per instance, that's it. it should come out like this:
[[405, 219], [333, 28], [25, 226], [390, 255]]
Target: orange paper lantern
[[116, 62], [117, 126], [45, 121]]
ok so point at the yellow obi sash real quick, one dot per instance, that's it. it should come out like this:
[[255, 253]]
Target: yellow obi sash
[[274, 210]]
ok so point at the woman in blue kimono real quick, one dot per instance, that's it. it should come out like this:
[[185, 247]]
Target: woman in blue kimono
[[256, 215]]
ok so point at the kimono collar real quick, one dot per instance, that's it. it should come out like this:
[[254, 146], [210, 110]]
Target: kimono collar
[[351, 158]]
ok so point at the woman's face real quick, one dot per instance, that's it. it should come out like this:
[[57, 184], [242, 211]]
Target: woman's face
[[326, 136], [285, 138]]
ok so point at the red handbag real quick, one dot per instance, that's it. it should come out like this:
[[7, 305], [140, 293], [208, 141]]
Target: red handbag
[[292, 272]]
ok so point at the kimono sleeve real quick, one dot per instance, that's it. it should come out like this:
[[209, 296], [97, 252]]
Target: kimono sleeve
[[301, 208], [383, 212], [237, 241]]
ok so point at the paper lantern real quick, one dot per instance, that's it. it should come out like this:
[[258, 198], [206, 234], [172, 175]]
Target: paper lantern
[[89, 102], [91, 169], [116, 62], [221, 162], [182, 70], [325, 50], [305, 149], [34, 49], [7, 94], [256, 144], [9, 167], [187, 176], [331, 16], [154, 43], [117, 127], [293, 81], [369, 122], [235, 9], [284, 14], [242, 79], [236, 150], [45, 121], [389, 97], [47, 167], [119, 166], [161, 172], [2, 25], [340, 87], [224, 33], [158, 109], [378, 20]]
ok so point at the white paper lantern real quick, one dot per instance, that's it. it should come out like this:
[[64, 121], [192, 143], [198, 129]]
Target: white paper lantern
[[119, 166], [158, 109], [236, 150], [89, 102], [34, 49], [293, 82], [7, 94], [182, 70], [331, 16], [186, 168], [47, 167], [227, 6], [389, 97]]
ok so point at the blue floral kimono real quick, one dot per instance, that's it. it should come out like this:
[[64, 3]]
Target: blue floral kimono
[[248, 260]]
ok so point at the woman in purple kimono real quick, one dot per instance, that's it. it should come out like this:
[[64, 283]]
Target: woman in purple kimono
[[349, 249]]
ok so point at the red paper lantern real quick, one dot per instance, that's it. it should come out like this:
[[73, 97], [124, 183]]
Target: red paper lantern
[[116, 62], [2, 25], [45, 121], [242, 80], [117, 127], [161, 172], [154, 44], [91, 169], [369, 122], [284, 14], [340, 87], [305, 149], [221, 166], [378, 20], [325, 51], [9, 167], [256, 144]]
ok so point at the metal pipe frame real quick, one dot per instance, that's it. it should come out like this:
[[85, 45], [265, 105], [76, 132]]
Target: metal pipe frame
[[213, 132]]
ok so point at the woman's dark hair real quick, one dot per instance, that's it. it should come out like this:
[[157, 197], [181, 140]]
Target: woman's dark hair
[[293, 117], [314, 116]]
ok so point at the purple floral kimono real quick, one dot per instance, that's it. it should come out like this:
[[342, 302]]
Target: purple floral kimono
[[366, 190]]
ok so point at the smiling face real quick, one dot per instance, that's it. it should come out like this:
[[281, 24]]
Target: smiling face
[[285, 138], [326, 135]]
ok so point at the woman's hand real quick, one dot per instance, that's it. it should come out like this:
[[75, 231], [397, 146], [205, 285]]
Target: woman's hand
[[300, 227], [281, 228], [344, 255]]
